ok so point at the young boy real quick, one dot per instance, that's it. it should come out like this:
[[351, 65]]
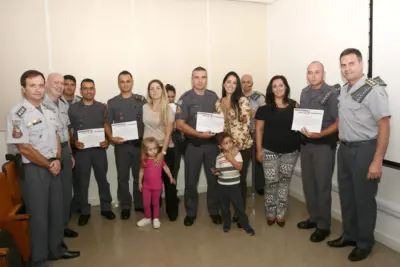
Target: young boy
[[227, 169]]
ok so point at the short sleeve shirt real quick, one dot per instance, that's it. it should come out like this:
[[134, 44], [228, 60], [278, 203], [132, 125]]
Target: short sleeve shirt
[[359, 121], [153, 126], [152, 175], [38, 127], [61, 107]]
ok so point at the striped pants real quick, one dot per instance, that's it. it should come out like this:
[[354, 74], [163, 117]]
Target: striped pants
[[278, 170]]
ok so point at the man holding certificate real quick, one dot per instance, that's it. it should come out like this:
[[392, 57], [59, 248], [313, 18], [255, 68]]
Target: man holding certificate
[[202, 146], [318, 152], [87, 133], [125, 128]]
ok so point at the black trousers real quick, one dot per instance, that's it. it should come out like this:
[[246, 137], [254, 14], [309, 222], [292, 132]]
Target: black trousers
[[357, 193], [171, 198], [232, 194]]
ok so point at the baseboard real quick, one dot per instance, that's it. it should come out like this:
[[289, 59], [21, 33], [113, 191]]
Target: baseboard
[[336, 214]]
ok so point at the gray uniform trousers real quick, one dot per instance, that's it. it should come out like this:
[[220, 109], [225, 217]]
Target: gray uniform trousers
[[85, 160], [195, 156], [66, 179], [127, 158], [43, 197], [357, 193], [317, 165]]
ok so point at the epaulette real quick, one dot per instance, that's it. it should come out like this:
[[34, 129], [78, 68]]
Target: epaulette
[[21, 111], [62, 100], [139, 98], [48, 107], [255, 95], [208, 91], [366, 88], [78, 97], [336, 88], [185, 94]]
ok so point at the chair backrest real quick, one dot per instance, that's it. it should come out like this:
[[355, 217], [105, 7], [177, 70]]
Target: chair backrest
[[6, 203], [11, 174]]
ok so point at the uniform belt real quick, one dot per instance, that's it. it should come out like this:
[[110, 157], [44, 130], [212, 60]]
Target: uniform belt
[[135, 143], [357, 143], [64, 144]]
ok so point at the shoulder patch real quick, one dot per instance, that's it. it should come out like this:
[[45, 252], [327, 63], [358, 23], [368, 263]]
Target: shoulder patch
[[16, 133], [21, 111], [337, 87], [139, 98]]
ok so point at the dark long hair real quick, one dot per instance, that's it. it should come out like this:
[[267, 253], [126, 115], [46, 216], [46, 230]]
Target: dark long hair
[[237, 94], [270, 96]]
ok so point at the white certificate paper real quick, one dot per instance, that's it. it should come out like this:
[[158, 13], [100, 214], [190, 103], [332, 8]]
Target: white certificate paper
[[126, 130], [310, 119], [210, 122], [91, 137]]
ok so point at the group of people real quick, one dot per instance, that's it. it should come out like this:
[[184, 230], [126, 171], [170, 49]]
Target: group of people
[[258, 128]]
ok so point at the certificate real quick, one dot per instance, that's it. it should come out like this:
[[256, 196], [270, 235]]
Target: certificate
[[210, 122], [91, 137], [310, 119], [126, 130]]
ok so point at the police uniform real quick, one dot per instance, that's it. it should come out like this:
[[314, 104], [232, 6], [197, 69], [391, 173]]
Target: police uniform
[[198, 151], [61, 108], [127, 154], [41, 191], [84, 117], [74, 100], [361, 106], [318, 155], [75, 204], [256, 100]]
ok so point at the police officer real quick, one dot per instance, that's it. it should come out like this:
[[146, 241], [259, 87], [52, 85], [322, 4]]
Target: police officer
[[54, 88], [364, 126], [201, 148], [123, 108], [84, 115], [318, 152], [70, 97], [256, 100], [69, 90], [33, 127]]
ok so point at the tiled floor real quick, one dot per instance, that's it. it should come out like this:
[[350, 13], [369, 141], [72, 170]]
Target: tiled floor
[[122, 244]]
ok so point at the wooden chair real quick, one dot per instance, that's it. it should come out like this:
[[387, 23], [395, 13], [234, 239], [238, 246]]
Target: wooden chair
[[3, 257], [11, 174], [16, 224]]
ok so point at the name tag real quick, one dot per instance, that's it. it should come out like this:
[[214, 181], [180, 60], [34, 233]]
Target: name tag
[[35, 122]]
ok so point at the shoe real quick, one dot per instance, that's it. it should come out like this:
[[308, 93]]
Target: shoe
[[319, 235], [144, 222], [281, 223], [226, 228], [341, 243], [109, 215], [125, 214], [358, 254], [189, 220], [83, 219], [70, 255], [271, 221], [156, 223], [216, 219], [306, 224], [260, 192], [239, 225], [64, 246], [250, 231], [235, 219], [70, 233]]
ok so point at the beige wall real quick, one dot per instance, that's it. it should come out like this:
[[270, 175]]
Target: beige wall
[[162, 39]]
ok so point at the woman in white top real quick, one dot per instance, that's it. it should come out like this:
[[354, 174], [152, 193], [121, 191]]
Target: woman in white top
[[158, 122]]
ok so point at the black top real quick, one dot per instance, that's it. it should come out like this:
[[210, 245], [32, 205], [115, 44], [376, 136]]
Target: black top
[[278, 136]]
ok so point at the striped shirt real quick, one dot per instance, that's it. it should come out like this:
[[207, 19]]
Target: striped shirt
[[229, 175]]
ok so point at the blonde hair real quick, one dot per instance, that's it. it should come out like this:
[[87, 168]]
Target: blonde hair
[[164, 103], [145, 145]]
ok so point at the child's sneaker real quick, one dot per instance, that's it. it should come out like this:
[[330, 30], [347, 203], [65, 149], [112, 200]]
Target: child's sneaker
[[249, 231], [144, 222], [156, 223]]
